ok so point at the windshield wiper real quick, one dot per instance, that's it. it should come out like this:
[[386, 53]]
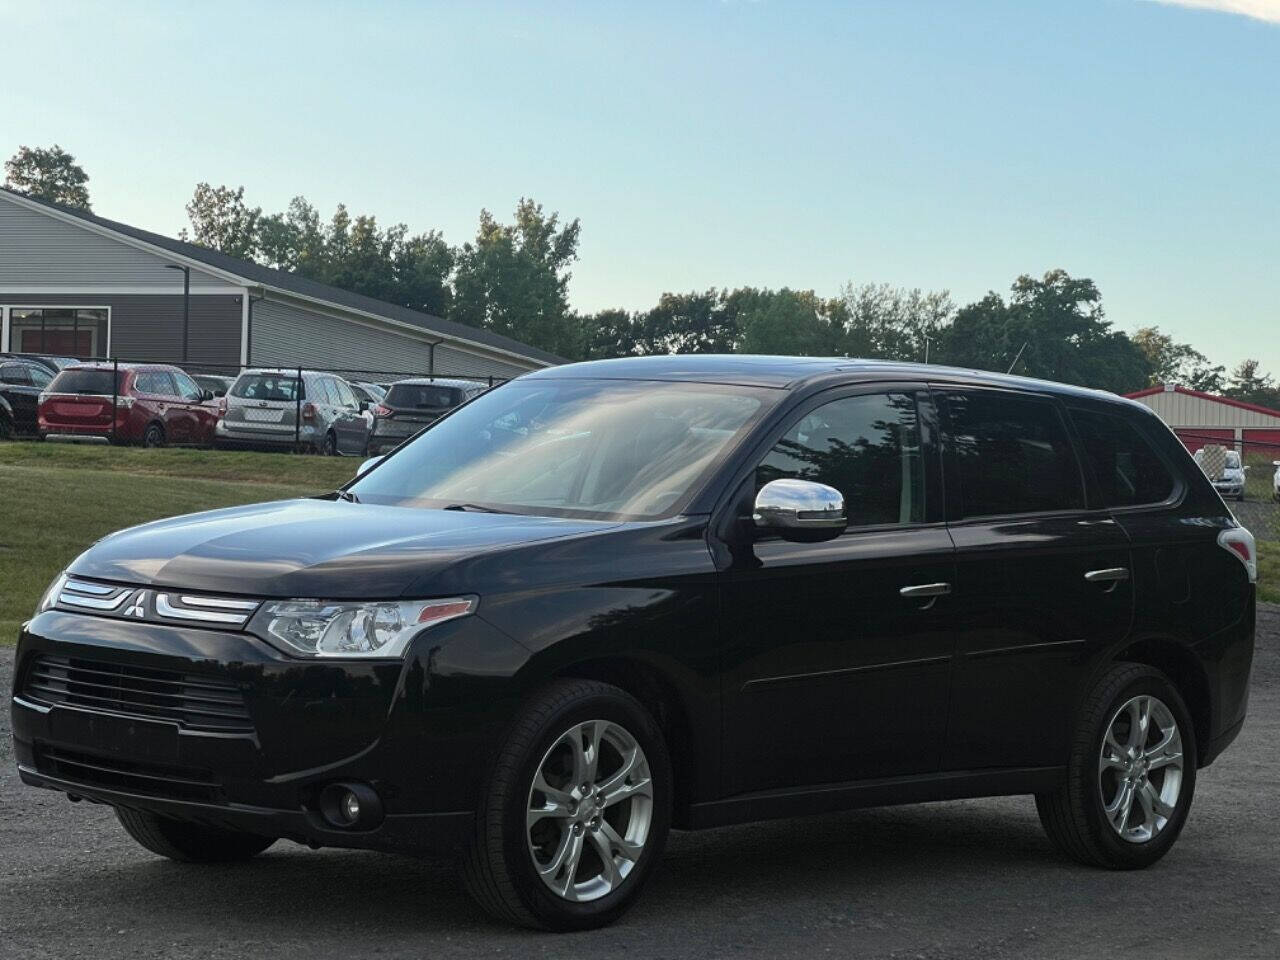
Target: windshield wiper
[[346, 495], [473, 508]]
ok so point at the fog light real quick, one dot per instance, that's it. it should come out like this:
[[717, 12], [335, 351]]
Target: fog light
[[351, 806]]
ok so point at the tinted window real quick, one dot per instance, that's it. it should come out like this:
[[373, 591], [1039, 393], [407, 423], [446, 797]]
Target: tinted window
[[266, 386], [14, 373], [39, 376], [1125, 467], [423, 396], [867, 447], [85, 382], [1009, 454]]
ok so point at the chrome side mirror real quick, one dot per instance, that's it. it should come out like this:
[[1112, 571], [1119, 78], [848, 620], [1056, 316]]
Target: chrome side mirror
[[800, 510], [367, 465]]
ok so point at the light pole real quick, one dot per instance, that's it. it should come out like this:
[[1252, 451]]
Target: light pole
[[186, 305]]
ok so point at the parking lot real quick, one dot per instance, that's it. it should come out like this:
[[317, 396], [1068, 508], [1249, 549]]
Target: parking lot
[[970, 879]]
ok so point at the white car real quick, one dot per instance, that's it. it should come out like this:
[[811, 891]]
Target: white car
[[1226, 471]]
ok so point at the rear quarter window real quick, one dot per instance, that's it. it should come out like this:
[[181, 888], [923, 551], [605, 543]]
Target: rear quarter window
[[1126, 469]]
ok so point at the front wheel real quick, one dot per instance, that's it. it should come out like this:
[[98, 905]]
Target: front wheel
[[190, 842], [575, 814], [1131, 774]]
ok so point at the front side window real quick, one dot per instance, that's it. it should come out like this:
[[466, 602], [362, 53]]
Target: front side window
[[187, 388], [1126, 468], [1009, 454], [867, 447], [591, 448], [39, 375]]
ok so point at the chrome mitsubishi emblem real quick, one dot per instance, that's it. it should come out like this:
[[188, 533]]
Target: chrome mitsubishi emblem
[[137, 605]]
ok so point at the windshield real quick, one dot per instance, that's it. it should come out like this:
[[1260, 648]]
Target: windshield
[[280, 387], [423, 396], [1233, 460], [85, 381], [602, 449]]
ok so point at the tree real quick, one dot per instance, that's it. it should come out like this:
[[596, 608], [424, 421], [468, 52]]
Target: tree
[[221, 220], [893, 323], [1053, 328], [789, 322], [1172, 362], [1249, 383], [51, 175], [513, 279]]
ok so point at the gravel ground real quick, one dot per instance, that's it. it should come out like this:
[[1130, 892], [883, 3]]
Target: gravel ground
[[968, 879]]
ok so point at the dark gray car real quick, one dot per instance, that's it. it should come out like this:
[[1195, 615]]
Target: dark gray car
[[413, 404], [264, 409]]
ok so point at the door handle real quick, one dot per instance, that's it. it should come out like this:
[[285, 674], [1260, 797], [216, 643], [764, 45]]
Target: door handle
[[925, 590], [1109, 575]]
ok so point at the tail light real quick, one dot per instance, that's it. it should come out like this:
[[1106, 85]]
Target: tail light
[[308, 412], [1240, 542], [382, 410], [124, 402]]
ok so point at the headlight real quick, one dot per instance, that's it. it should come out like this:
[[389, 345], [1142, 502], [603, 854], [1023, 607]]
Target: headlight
[[318, 628], [51, 594]]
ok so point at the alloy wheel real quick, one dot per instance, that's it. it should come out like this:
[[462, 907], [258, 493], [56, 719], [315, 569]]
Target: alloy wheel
[[590, 810], [1140, 768]]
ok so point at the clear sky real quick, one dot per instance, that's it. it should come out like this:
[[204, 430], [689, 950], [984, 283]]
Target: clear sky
[[932, 143]]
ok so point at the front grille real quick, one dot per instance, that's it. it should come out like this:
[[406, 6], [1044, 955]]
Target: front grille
[[177, 783], [197, 703]]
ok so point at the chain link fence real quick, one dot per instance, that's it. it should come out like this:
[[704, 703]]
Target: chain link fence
[[1258, 505]]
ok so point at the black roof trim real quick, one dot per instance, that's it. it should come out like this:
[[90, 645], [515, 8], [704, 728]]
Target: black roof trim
[[290, 283]]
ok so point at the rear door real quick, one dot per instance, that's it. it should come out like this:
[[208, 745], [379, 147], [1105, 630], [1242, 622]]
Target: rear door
[[80, 398], [21, 391], [1043, 580], [157, 389], [201, 417]]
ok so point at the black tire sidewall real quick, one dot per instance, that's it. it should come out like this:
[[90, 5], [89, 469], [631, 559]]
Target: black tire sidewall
[[555, 912], [1119, 852], [153, 436], [329, 446]]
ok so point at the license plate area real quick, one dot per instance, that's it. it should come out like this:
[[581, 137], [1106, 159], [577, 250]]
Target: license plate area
[[263, 416], [110, 735]]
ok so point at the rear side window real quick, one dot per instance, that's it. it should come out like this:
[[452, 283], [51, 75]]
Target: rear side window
[[155, 382], [90, 382], [1125, 466], [867, 447], [1009, 454], [423, 396], [14, 373], [266, 386]]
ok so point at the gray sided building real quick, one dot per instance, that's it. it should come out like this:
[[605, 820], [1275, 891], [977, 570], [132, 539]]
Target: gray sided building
[[75, 284]]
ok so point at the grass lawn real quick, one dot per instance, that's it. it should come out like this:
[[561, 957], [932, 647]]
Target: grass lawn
[[56, 499]]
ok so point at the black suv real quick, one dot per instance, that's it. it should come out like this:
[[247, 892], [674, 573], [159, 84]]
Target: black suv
[[612, 598], [21, 380]]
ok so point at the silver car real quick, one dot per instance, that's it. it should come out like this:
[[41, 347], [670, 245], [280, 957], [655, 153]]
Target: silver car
[[264, 409]]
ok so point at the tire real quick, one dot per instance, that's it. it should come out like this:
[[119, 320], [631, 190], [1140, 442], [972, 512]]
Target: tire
[[153, 436], [190, 842], [1074, 816], [329, 446], [499, 868]]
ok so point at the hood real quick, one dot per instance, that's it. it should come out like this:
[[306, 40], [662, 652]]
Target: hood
[[312, 548]]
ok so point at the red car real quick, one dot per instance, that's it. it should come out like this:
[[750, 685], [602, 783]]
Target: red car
[[155, 404]]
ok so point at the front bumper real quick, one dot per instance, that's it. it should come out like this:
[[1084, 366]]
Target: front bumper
[[313, 723]]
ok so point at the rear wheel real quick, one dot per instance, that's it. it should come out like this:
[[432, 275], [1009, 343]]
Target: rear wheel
[[576, 812], [190, 842], [1131, 775], [153, 436]]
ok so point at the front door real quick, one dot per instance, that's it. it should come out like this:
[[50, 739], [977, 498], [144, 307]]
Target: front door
[[1042, 580], [832, 674]]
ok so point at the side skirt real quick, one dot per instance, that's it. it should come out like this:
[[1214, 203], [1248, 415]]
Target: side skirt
[[957, 785]]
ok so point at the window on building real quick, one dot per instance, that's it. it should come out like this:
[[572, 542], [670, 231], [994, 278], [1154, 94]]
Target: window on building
[[58, 331]]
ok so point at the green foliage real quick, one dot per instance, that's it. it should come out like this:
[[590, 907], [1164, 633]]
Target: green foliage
[[513, 279], [1171, 362], [892, 323], [48, 174], [1249, 383], [220, 219], [1053, 328]]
